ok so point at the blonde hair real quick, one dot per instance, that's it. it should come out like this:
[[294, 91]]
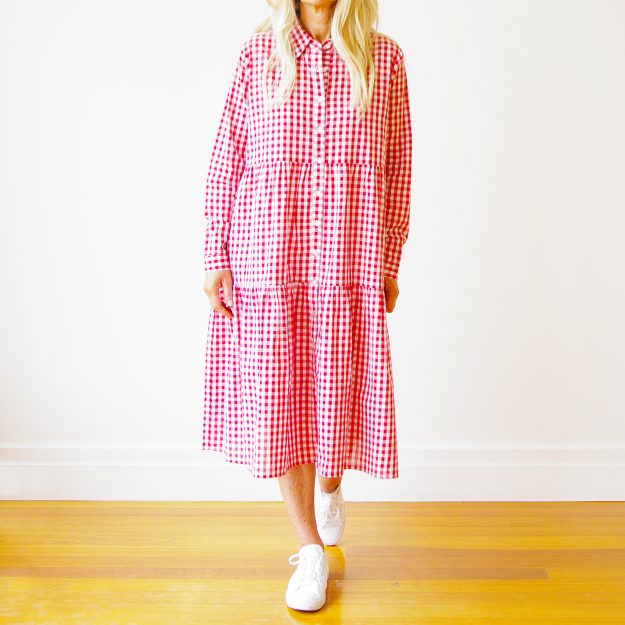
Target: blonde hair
[[352, 32]]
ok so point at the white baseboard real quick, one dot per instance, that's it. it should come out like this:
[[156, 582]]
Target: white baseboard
[[426, 473]]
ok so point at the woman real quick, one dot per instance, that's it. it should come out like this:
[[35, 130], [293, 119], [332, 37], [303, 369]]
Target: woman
[[307, 208]]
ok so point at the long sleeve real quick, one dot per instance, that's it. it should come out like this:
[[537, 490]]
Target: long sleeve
[[226, 165], [398, 169]]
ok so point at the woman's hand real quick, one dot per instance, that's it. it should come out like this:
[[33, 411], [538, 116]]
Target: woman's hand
[[391, 291], [213, 280]]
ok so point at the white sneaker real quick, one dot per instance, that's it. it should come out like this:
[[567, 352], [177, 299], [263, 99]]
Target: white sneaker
[[306, 589], [330, 514]]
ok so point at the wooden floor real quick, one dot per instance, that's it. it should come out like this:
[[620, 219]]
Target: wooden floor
[[108, 563]]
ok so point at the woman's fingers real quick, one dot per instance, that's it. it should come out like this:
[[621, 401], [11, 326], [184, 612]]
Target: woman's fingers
[[218, 305], [391, 291], [227, 286], [213, 281]]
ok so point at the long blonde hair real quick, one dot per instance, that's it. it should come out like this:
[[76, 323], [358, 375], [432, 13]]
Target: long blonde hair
[[352, 31]]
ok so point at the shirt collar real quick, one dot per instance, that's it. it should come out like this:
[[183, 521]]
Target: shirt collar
[[301, 38]]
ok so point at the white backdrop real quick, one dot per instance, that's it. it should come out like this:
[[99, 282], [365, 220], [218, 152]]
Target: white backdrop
[[508, 336]]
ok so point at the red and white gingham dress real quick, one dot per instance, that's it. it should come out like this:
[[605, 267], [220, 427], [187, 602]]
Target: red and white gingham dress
[[309, 208]]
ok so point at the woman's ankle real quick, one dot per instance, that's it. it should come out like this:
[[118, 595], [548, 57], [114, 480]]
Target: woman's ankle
[[328, 492]]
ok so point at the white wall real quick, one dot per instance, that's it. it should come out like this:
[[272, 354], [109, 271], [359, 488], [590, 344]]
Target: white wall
[[508, 337]]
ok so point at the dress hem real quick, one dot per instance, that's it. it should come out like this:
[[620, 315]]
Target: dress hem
[[354, 466]]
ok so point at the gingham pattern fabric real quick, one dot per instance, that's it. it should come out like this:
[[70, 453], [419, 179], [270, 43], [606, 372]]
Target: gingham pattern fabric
[[308, 207]]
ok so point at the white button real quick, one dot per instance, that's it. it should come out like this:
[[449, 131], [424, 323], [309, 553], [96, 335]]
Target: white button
[[319, 160], [317, 222], [315, 68], [314, 282], [319, 128], [318, 191], [315, 251], [319, 99]]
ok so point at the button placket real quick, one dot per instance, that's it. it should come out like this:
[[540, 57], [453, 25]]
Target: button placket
[[318, 156]]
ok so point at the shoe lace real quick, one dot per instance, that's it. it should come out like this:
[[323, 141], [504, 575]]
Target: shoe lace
[[330, 510], [308, 567]]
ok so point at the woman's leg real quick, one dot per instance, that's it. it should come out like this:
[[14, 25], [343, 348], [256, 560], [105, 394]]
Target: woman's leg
[[297, 486]]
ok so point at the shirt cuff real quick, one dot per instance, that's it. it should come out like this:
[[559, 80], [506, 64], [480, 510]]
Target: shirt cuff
[[215, 263], [392, 258]]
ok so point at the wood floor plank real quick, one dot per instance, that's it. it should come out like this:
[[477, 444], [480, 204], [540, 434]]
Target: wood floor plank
[[531, 563]]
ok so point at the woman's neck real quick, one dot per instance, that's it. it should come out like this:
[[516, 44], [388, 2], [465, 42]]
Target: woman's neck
[[317, 20]]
